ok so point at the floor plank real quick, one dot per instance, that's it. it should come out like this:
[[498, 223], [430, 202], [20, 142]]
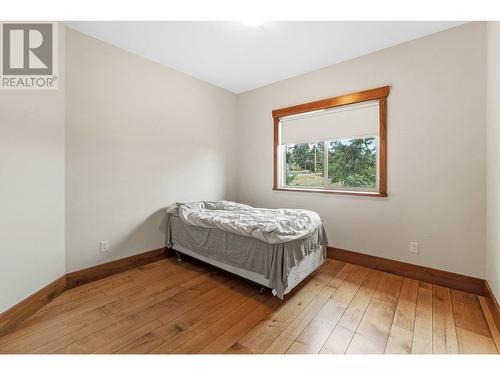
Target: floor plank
[[155, 306], [87, 310], [242, 316], [289, 335], [444, 336], [85, 301], [67, 328], [242, 327], [315, 334], [468, 313], [473, 343], [343, 333], [473, 333], [170, 307], [263, 335], [491, 322], [172, 323], [173, 343], [373, 331], [422, 331], [401, 334]]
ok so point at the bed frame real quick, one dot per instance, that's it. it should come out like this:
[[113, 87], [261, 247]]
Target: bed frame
[[297, 274]]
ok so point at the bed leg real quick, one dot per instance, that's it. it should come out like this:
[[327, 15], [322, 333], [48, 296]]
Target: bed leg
[[261, 290], [211, 272], [179, 259]]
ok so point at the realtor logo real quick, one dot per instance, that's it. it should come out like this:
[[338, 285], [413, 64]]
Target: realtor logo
[[29, 59]]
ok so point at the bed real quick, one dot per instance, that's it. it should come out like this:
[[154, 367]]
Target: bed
[[275, 248]]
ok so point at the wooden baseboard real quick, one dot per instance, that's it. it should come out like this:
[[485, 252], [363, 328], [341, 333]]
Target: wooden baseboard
[[17, 313], [444, 278], [101, 271]]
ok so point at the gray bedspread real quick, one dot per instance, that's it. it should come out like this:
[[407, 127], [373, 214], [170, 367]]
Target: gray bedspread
[[272, 260]]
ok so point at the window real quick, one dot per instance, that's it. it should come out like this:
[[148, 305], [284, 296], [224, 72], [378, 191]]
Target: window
[[336, 145]]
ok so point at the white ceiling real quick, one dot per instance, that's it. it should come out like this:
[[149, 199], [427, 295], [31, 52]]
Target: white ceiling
[[239, 57]]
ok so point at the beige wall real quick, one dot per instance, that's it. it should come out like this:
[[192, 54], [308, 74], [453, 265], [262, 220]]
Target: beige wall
[[436, 157], [139, 136], [493, 159], [31, 189]]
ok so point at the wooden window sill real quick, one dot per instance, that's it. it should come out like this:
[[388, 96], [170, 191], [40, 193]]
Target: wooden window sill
[[339, 192]]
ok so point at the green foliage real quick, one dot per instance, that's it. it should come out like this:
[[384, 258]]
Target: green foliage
[[306, 156], [353, 162], [350, 163]]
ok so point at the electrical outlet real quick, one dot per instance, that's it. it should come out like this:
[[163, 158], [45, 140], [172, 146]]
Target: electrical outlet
[[413, 247], [104, 246]]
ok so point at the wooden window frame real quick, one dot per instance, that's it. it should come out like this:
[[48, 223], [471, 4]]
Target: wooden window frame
[[380, 94]]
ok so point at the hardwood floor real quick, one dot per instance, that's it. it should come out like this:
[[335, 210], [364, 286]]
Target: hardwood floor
[[170, 307]]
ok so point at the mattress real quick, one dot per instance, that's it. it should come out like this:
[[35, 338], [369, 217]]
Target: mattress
[[278, 266]]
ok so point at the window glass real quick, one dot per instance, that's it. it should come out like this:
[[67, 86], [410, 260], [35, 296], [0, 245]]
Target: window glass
[[304, 165], [351, 164]]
